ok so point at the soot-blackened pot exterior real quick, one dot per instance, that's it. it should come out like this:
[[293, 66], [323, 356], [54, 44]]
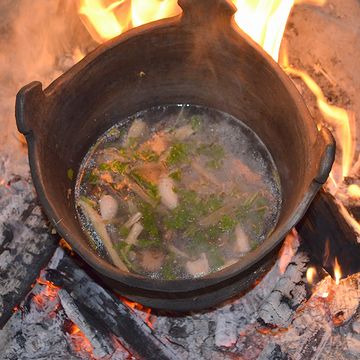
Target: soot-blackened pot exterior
[[189, 59]]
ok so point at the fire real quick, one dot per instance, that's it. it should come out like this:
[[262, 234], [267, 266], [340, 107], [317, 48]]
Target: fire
[[136, 306], [105, 22], [80, 343], [354, 191], [310, 274], [337, 272], [50, 290], [337, 117], [264, 21]]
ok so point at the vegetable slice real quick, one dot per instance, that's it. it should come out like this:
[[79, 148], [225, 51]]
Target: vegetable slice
[[100, 228]]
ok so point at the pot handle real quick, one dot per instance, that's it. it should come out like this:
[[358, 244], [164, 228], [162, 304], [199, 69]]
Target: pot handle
[[29, 102], [327, 157], [204, 12]]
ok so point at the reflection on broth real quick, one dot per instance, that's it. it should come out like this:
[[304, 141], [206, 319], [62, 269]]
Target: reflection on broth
[[177, 192]]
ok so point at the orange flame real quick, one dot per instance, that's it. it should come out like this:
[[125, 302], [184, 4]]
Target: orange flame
[[80, 343], [337, 117], [310, 274], [354, 191], [105, 22], [263, 20], [136, 306], [337, 272]]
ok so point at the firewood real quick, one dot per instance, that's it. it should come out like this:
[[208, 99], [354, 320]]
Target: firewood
[[26, 243], [107, 312], [326, 235]]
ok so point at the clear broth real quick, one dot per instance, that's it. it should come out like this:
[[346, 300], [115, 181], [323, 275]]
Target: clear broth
[[178, 191]]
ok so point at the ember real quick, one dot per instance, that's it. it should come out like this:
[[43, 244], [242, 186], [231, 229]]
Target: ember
[[79, 342]]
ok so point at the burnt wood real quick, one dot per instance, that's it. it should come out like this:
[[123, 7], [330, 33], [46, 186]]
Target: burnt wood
[[326, 235], [26, 243], [104, 311]]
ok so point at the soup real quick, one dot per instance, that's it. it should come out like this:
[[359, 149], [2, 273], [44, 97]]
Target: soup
[[177, 192]]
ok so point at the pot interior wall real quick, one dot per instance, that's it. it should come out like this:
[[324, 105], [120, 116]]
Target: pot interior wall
[[168, 66]]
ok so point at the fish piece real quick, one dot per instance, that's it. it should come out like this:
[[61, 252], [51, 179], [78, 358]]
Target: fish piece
[[242, 243], [167, 194], [108, 207], [199, 267]]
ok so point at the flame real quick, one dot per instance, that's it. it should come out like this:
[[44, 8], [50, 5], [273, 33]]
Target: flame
[[354, 191], [310, 274], [136, 306], [264, 21], [337, 272], [337, 117], [80, 343], [105, 22]]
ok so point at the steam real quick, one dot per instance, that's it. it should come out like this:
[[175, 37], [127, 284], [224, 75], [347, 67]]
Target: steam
[[39, 41]]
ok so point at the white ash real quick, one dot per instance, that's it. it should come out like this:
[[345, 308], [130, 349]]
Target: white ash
[[25, 242], [288, 293]]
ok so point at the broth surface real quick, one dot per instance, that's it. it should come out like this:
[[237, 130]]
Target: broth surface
[[177, 191]]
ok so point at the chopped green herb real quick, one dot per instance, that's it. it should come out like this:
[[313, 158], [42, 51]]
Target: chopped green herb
[[104, 167], [119, 167], [167, 269], [179, 219], [133, 142], [123, 250], [90, 202], [176, 175], [122, 245], [70, 174], [149, 220], [195, 122], [150, 188], [226, 223], [146, 243], [215, 257], [214, 152], [92, 178], [147, 155], [178, 154], [123, 231], [214, 202], [214, 164]]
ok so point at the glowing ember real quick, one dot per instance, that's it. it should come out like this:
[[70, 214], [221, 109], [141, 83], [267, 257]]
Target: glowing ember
[[310, 274], [50, 290], [136, 306], [66, 246], [337, 272], [80, 343]]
